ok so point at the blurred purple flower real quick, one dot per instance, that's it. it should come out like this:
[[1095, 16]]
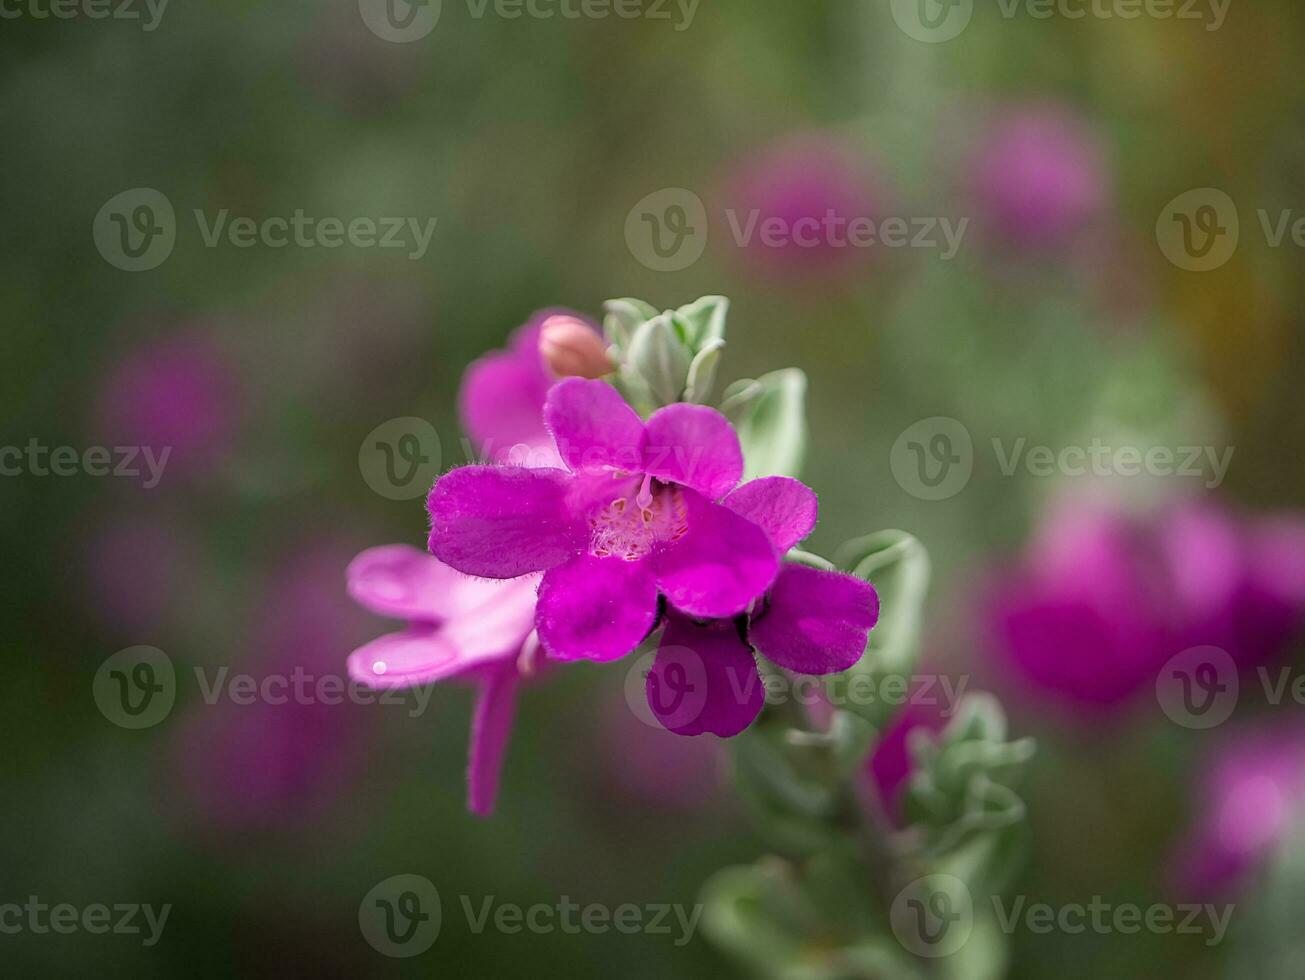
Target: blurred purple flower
[[179, 393], [796, 185], [274, 763], [1039, 176], [655, 768], [501, 400], [1250, 792], [140, 570], [458, 626], [890, 766], [1102, 600]]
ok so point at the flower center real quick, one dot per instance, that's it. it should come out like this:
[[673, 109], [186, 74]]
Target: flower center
[[631, 525]]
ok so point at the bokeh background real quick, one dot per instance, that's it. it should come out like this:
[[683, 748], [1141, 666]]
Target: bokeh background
[[1061, 318]]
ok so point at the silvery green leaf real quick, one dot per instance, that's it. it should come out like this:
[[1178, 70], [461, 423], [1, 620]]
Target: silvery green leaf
[[622, 318], [769, 415], [702, 373], [897, 565], [704, 321], [658, 357]]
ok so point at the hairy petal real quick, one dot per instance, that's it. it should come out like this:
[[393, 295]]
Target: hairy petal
[[593, 426], [695, 446], [719, 566], [503, 521], [815, 622], [786, 509], [596, 608], [491, 726], [704, 679]]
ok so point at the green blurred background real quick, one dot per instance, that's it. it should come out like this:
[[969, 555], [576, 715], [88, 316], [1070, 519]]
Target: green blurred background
[[531, 140]]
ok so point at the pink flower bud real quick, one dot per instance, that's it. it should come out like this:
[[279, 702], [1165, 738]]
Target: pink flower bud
[[571, 348]]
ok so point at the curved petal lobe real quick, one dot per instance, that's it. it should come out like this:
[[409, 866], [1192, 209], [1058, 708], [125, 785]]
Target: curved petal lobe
[[421, 655], [404, 582], [786, 509], [593, 426], [596, 608], [815, 622], [502, 521], [719, 566], [704, 679], [695, 446]]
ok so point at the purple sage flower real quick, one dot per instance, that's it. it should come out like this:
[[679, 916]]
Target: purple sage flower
[[1103, 600], [501, 401], [458, 627], [1040, 176], [793, 205], [178, 396], [1250, 793], [634, 514]]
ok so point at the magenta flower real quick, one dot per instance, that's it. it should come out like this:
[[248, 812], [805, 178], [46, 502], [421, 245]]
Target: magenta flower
[[1251, 792], [890, 766], [811, 621], [1040, 176], [809, 188], [501, 401], [458, 627], [179, 395], [1104, 600], [634, 515]]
